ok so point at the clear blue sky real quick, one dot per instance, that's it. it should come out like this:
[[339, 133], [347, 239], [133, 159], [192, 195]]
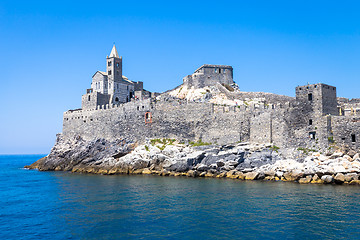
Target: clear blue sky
[[50, 49]]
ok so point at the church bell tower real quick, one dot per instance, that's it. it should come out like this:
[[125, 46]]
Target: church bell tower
[[113, 69]]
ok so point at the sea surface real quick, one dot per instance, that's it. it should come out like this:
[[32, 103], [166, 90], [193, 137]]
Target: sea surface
[[61, 205]]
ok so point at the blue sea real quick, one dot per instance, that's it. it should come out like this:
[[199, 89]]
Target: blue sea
[[62, 205]]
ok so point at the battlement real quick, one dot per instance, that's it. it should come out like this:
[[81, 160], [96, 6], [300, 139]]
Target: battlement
[[220, 67]]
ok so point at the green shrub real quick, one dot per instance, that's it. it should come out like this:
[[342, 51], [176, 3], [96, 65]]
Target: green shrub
[[275, 148]]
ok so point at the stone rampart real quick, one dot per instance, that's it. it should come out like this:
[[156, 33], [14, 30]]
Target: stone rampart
[[170, 119]]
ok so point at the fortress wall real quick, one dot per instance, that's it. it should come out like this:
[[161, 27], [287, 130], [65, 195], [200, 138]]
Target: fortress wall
[[173, 119], [289, 127], [285, 125], [268, 97], [343, 128]]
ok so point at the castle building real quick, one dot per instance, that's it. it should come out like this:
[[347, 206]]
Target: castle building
[[315, 119], [111, 87], [209, 75]]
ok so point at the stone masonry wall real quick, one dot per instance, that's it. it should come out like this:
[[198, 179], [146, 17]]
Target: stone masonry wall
[[176, 119], [346, 131]]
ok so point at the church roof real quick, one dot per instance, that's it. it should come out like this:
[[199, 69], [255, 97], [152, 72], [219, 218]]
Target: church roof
[[102, 73], [114, 52]]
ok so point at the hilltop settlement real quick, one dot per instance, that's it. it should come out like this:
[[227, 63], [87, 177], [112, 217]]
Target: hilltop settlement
[[207, 127]]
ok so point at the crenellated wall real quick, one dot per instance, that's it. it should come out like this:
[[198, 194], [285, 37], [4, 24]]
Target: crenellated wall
[[295, 123], [179, 119]]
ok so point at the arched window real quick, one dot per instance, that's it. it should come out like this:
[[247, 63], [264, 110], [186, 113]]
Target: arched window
[[89, 98], [116, 99]]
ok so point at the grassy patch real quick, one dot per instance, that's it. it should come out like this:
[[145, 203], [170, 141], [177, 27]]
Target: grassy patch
[[161, 143], [199, 143], [306, 150]]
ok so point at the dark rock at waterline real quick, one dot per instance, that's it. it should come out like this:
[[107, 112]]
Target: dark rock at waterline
[[68, 153], [179, 166], [258, 159]]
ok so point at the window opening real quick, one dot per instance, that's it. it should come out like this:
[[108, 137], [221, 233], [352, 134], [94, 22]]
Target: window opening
[[310, 122], [310, 97], [312, 135], [353, 138], [148, 117]]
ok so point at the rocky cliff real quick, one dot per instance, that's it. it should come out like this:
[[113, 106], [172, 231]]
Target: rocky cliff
[[168, 157]]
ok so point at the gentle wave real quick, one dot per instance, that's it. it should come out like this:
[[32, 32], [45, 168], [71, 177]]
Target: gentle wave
[[61, 205]]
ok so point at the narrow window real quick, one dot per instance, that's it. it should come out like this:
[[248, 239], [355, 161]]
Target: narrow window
[[219, 70], [224, 71], [215, 70], [109, 63], [312, 135], [89, 98], [310, 97], [353, 138], [117, 64], [310, 121], [109, 72]]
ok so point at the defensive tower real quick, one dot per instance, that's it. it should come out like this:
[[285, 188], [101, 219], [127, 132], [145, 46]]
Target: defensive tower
[[321, 98]]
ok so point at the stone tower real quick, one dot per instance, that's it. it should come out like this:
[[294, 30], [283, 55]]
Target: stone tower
[[320, 97], [114, 74], [210, 75]]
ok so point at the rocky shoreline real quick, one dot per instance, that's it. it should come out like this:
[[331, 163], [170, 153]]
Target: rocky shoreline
[[167, 157]]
